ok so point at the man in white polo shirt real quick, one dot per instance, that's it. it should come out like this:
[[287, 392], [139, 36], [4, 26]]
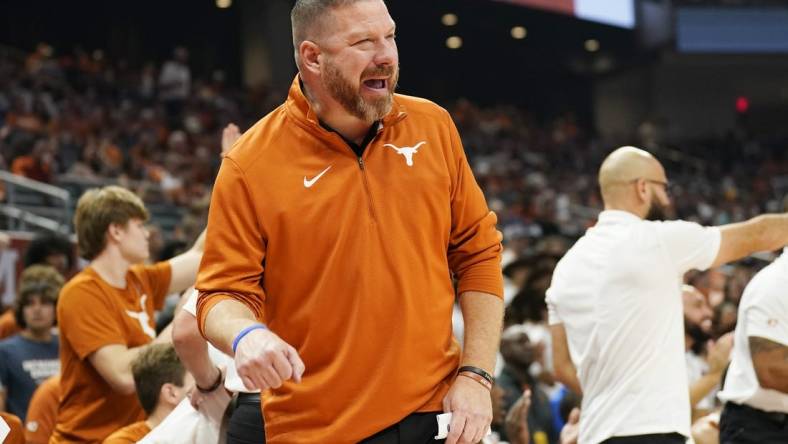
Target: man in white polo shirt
[[756, 385], [615, 303]]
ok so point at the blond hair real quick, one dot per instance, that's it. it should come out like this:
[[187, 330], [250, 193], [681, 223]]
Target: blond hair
[[97, 209]]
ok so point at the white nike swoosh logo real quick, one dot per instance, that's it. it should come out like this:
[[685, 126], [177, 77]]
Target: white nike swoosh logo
[[309, 182]]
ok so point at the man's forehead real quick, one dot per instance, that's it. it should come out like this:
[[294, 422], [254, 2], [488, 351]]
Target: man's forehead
[[359, 18]]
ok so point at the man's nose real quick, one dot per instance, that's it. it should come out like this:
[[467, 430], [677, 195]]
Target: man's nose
[[387, 55]]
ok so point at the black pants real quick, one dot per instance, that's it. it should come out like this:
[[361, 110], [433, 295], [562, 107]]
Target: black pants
[[247, 425], [657, 438], [417, 428], [742, 424]]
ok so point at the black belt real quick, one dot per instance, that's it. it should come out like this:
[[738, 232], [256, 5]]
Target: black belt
[[248, 398], [776, 417]]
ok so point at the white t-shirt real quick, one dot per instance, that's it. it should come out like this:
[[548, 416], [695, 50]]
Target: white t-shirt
[[232, 381], [617, 292], [763, 312]]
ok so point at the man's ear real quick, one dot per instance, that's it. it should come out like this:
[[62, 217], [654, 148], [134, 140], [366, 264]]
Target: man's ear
[[641, 190], [168, 393], [309, 54], [114, 231]]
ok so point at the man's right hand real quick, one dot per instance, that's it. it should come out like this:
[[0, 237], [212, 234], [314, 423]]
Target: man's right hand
[[264, 360]]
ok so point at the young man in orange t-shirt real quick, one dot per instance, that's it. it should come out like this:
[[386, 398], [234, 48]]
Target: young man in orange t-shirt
[[105, 314], [162, 383]]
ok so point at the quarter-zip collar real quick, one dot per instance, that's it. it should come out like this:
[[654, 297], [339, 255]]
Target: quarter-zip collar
[[300, 110], [374, 129]]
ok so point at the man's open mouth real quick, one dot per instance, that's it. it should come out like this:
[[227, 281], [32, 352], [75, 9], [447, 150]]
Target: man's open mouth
[[375, 83]]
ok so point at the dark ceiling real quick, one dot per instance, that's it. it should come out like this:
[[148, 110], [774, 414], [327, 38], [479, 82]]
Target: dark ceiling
[[550, 68]]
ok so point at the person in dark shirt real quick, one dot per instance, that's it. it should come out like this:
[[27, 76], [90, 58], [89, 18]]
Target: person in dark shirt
[[518, 354], [31, 356]]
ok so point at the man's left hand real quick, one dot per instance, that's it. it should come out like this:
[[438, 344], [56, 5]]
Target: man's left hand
[[471, 407]]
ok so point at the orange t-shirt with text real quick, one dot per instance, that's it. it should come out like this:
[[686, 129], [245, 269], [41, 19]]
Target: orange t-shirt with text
[[129, 434], [42, 411], [92, 314]]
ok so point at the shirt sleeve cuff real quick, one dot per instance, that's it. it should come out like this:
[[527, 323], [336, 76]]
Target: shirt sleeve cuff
[[714, 251], [205, 302], [486, 278]]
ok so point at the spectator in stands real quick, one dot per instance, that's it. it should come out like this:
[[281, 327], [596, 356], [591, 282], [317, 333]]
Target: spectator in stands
[[161, 382], [39, 164], [706, 359], [31, 356], [615, 302], [725, 318], [175, 84], [156, 243], [515, 274], [122, 294], [45, 249], [515, 421], [42, 411], [51, 249], [756, 384], [517, 424], [519, 354]]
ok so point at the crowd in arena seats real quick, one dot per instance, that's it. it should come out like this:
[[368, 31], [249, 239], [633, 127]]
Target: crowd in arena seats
[[82, 115], [157, 131]]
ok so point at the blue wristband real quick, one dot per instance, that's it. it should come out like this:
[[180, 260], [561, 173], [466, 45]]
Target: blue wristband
[[245, 332]]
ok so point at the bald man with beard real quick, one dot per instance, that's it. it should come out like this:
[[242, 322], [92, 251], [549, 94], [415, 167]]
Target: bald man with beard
[[615, 305]]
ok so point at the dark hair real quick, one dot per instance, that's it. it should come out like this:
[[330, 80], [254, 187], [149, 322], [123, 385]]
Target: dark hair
[[527, 305], [156, 365], [36, 280], [47, 244]]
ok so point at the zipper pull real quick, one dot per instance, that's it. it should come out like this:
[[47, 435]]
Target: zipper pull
[[361, 163]]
